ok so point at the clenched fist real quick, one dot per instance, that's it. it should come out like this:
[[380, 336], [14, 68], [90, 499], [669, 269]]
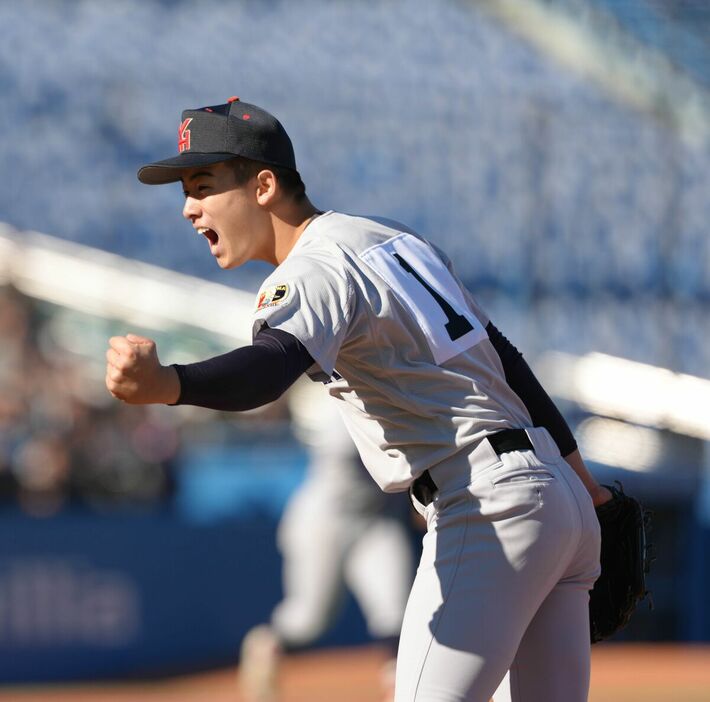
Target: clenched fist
[[134, 373]]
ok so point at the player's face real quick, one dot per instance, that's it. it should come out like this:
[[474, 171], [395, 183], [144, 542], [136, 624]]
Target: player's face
[[226, 214]]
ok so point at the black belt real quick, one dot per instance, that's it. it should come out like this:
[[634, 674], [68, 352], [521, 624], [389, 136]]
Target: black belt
[[423, 488]]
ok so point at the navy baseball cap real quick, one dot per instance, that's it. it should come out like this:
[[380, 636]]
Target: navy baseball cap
[[208, 135]]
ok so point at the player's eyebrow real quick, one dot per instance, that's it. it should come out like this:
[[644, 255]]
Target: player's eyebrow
[[209, 174]]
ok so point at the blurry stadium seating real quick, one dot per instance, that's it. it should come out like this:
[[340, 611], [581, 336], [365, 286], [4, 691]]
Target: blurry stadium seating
[[540, 185], [675, 27]]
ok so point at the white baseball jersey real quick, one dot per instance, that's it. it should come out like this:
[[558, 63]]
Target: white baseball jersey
[[398, 338]]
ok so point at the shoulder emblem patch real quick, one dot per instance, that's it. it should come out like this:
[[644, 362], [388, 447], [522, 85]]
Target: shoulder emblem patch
[[272, 296]]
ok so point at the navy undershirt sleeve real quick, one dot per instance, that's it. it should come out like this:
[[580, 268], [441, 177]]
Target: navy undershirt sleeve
[[255, 375], [247, 377], [521, 379]]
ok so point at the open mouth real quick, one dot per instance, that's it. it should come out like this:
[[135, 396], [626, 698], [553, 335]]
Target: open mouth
[[210, 234]]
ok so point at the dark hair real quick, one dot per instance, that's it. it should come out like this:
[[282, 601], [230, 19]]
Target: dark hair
[[245, 169]]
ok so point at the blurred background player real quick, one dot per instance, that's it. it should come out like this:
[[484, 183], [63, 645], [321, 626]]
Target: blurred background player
[[338, 531]]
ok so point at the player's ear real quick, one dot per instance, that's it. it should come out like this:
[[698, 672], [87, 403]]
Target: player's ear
[[267, 187]]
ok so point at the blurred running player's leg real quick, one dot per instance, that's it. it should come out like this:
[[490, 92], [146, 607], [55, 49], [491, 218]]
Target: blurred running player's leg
[[338, 531]]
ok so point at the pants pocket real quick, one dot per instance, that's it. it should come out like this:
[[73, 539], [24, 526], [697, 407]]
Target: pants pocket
[[522, 477]]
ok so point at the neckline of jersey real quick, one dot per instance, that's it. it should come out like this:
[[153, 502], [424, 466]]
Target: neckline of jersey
[[310, 227]]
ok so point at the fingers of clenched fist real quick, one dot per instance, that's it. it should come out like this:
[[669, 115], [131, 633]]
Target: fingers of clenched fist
[[130, 361], [134, 373], [119, 357]]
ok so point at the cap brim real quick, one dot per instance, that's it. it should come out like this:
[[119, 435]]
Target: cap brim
[[170, 170]]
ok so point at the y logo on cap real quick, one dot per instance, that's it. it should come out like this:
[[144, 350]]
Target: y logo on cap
[[184, 135]]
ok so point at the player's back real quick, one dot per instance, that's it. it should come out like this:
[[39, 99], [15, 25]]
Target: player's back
[[404, 342]]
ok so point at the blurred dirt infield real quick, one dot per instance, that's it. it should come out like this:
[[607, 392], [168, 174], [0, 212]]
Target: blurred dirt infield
[[620, 673]]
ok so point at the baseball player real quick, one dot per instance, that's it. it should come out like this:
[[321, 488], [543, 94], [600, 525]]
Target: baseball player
[[436, 399], [338, 529]]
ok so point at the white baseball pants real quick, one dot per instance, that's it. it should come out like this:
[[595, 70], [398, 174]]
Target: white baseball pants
[[510, 554]]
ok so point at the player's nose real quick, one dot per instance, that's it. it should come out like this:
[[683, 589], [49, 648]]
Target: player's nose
[[190, 209]]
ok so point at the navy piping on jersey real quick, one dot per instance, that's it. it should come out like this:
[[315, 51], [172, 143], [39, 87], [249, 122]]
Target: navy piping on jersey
[[254, 375]]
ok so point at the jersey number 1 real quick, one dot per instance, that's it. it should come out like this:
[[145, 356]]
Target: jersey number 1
[[425, 287], [457, 325]]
